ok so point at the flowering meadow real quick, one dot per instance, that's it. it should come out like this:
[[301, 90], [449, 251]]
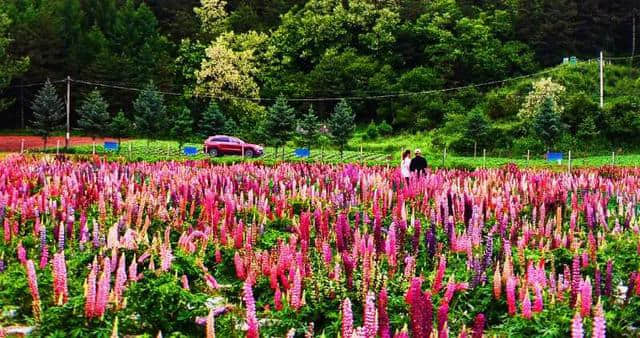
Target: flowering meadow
[[99, 248]]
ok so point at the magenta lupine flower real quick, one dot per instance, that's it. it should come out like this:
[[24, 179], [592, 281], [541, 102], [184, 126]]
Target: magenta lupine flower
[[185, 282], [121, 279], [575, 278], [416, 235], [402, 334], [104, 288], [7, 230], [166, 257], [349, 266], [239, 265], [95, 235], [538, 302], [576, 326], [33, 287], [511, 295], [370, 325], [608, 282], [133, 269], [384, 328], [599, 323], [252, 320], [418, 309], [526, 305], [391, 245], [437, 282], [443, 317], [90, 291], [22, 254], [597, 282], [277, 299], [296, 291], [478, 326], [585, 298], [347, 318], [60, 291]]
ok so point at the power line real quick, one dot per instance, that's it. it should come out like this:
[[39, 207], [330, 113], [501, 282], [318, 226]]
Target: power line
[[35, 84], [622, 57], [314, 99], [336, 98]]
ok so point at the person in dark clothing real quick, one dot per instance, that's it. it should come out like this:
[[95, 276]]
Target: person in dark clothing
[[418, 163]]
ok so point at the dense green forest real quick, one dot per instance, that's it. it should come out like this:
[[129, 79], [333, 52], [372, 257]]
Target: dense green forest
[[234, 58]]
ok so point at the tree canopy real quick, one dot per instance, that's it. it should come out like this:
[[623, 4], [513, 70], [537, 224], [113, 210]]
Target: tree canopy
[[393, 58]]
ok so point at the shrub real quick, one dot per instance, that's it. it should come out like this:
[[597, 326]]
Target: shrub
[[159, 303], [528, 143], [384, 128], [372, 131]]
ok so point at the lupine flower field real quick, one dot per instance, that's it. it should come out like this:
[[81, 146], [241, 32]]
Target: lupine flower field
[[108, 249]]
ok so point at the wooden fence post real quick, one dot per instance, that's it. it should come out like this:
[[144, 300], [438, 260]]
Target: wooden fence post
[[528, 156], [484, 158], [475, 150], [22, 146], [444, 157], [569, 164], [57, 147], [613, 158]]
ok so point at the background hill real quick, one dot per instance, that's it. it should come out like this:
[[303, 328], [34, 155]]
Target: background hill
[[377, 54]]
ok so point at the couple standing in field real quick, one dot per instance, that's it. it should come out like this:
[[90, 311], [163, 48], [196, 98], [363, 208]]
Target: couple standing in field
[[417, 164]]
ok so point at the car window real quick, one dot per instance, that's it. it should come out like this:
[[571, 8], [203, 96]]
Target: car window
[[220, 139]]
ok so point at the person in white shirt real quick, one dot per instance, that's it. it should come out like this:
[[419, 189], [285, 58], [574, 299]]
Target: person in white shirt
[[405, 165]]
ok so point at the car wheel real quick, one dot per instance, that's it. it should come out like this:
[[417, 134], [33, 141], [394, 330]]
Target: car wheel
[[248, 153], [213, 152]]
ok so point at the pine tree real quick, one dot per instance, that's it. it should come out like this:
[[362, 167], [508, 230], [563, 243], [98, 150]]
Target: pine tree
[[342, 125], [213, 122], [120, 127], [280, 123], [547, 124], [477, 128], [94, 117], [182, 127], [309, 129], [149, 112], [587, 130], [48, 112]]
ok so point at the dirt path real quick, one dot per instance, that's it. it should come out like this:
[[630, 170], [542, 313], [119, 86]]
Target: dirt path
[[10, 143]]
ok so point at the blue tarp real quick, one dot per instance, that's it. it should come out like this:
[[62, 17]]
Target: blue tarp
[[302, 152], [554, 157], [111, 146], [190, 151]]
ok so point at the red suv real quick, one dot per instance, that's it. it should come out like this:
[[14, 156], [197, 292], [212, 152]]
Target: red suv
[[227, 145]]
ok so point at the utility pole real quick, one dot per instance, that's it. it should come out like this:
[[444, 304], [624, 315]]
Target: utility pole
[[66, 139], [601, 80], [633, 36], [22, 104]]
